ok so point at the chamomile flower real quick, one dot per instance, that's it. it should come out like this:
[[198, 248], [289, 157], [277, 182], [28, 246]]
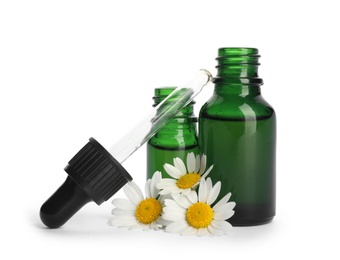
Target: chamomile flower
[[138, 211], [184, 178], [194, 214]]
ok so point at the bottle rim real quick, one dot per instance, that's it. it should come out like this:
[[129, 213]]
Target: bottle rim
[[237, 51], [232, 56]]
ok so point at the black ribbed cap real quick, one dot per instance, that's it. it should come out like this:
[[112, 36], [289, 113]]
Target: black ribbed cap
[[97, 172], [93, 175]]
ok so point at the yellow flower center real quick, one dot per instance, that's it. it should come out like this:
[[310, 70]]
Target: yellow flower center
[[148, 210], [188, 180], [199, 215]]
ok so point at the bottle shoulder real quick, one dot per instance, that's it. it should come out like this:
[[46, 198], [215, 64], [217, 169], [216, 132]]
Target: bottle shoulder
[[175, 135], [236, 107]]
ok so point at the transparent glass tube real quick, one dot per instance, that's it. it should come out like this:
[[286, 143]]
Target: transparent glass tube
[[159, 116]]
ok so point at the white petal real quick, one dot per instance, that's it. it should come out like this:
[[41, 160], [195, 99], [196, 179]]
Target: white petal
[[122, 212], [137, 225], [214, 193], [222, 201], [171, 203], [156, 178], [123, 204], [172, 171], [225, 207], [128, 218], [166, 186], [231, 205], [179, 164], [147, 188], [147, 227], [208, 186], [182, 200], [195, 185], [137, 189], [202, 191], [189, 231], [201, 232], [214, 231], [174, 208], [154, 225], [163, 222], [208, 171], [173, 216], [192, 196], [191, 162], [223, 215], [203, 164], [122, 221], [161, 198], [185, 191], [177, 227], [198, 163], [157, 224], [133, 192], [222, 225], [167, 182]]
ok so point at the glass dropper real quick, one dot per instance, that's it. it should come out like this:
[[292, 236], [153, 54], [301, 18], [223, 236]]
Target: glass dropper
[[95, 174], [158, 116]]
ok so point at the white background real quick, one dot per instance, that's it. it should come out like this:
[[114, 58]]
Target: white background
[[70, 70]]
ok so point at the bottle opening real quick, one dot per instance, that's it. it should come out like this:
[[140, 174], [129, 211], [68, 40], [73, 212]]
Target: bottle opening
[[238, 65], [239, 56], [231, 51]]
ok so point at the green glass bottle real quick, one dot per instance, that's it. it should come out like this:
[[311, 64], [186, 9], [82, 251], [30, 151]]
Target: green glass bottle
[[237, 132], [175, 139]]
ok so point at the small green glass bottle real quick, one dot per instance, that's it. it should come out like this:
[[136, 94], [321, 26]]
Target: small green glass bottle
[[237, 132], [175, 139]]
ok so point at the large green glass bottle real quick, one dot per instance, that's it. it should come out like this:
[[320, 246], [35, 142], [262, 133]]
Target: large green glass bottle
[[237, 132], [175, 139]]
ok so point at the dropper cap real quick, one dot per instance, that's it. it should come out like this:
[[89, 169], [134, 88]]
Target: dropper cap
[[93, 175]]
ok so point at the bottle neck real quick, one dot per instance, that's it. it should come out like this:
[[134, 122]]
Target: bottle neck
[[237, 72], [179, 132], [237, 89]]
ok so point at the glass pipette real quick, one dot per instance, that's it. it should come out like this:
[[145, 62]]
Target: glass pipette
[[95, 174], [159, 116]]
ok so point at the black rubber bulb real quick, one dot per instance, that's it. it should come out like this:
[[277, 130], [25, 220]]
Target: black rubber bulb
[[63, 204], [94, 175]]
